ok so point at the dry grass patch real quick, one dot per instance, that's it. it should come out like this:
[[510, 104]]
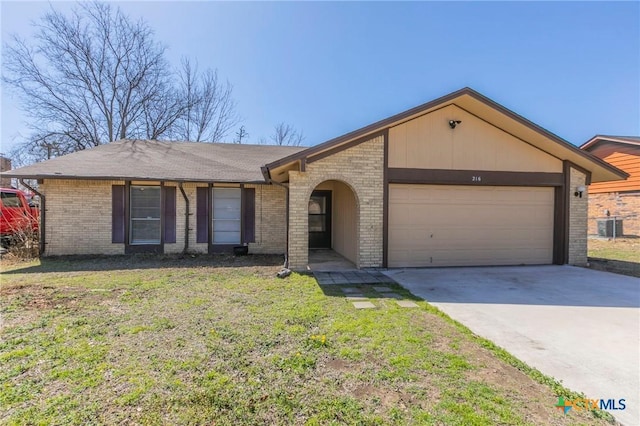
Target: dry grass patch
[[627, 249]]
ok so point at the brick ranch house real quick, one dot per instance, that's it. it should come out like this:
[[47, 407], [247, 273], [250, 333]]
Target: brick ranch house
[[460, 180], [620, 199]]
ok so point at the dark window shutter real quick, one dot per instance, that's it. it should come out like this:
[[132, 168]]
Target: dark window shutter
[[117, 214], [249, 215], [169, 214], [202, 216]]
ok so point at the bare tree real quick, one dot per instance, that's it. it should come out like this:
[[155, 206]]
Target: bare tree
[[40, 147], [210, 108], [96, 76], [286, 134], [241, 134]]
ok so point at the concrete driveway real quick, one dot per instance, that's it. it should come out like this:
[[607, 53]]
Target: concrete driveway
[[578, 325]]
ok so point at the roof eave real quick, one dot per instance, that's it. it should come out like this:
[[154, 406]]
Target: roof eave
[[546, 133], [602, 138], [127, 178]]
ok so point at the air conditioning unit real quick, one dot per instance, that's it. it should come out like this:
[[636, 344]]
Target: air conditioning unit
[[610, 228]]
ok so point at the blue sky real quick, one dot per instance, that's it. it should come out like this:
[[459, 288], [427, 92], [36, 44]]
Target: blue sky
[[330, 68]]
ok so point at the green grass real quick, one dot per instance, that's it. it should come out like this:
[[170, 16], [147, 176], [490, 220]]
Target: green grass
[[626, 249], [202, 341]]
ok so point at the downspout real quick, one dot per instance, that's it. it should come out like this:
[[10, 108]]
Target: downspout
[[267, 176], [186, 219], [43, 214]]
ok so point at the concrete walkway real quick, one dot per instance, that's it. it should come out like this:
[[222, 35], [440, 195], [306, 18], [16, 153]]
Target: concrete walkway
[[351, 277], [329, 261], [578, 325]]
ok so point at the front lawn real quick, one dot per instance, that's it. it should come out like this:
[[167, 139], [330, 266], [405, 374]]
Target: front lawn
[[222, 341]]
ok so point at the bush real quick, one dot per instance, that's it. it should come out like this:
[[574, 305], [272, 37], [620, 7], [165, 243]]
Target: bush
[[23, 243]]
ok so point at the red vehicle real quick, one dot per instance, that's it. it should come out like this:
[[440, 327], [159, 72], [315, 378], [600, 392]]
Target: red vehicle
[[17, 214]]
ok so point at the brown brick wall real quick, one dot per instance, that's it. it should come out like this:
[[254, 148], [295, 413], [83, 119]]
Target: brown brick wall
[[577, 220], [361, 168], [621, 205], [79, 218]]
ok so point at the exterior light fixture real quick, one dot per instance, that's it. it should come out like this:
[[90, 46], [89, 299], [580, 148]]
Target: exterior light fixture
[[454, 123], [579, 190]]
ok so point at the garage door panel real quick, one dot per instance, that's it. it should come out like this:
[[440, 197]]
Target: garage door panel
[[471, 236], [440, 257], [463, 244], [442, 225]]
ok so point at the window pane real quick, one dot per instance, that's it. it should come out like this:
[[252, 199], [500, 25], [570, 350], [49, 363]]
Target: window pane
[[145, 231], [145, 215], [145, 202], [317, 223], [226, 238], [226, 225], [219, 193], [226, 208], [226, 215], [317, 205]]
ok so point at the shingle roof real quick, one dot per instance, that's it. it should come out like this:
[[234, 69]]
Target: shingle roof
[[631, 140], [153, 160]]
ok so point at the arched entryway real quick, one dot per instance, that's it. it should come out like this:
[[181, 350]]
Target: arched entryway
[[333, 220]]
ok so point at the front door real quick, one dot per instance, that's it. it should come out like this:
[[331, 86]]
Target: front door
[[320, 219]]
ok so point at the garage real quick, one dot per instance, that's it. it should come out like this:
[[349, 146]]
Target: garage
[[461, 225]]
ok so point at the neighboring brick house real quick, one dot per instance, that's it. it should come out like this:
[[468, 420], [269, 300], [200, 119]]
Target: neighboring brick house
[[460, 180], [616, 199]]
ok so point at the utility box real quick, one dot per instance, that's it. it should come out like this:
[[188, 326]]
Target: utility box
[[610, 228]]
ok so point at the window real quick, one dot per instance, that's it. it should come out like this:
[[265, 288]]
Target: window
[[145, 215], [227, 215], [10, 199]]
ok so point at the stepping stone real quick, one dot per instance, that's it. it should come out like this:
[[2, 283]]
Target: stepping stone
[[391, 296], [382, 289], [349, 290], [363, 305], [407, 304]]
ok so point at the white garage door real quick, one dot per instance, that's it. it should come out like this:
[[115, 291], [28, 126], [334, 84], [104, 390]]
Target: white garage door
[[443, 225]]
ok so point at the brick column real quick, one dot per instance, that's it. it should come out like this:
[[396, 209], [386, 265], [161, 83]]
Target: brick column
[[577, 220], [298, 220]]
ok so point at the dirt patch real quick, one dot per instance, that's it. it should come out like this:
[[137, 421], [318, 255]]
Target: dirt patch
[[539, 409], [338, 364], [43, 297]]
